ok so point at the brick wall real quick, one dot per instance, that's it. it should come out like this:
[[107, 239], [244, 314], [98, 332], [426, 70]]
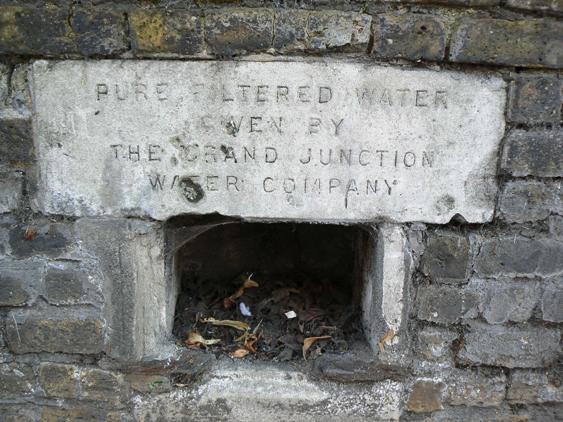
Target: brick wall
[[488, 299]]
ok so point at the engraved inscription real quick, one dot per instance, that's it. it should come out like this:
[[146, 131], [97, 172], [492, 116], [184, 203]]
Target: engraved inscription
[[323, 141]]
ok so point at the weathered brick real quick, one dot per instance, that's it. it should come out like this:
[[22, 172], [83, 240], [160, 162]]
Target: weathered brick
[[16, 142], [545, 412], [529, 386], [11, 188], [16, 380], [512, 347], [509, 301], [530, 42], [65, 283], [29, 30], [83, 412], [519, 256], [99, 31], [409, 36], [290, 30], [19, 412], [534, 153], [522, 201], [475, 388], [149, 383], [20, 95], [483, 387], [98, 384], [49, 239], [59, 380], [467, 3], [54, 333], [445, 304], [334, 29], [535, 99], [544, 5], [435, 344], [19, 281], [552, 301], [556, 226], [4, 82], [425, 396], [446, 257], [166, 33], [48, 30], [237, 31]]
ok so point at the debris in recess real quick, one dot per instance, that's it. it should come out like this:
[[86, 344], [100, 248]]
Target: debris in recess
[[284, 311], [239, 353], [290, 315], [248, 283], [309, 341], [386, 339], [195, 340], [239, 325], [245, 310], [30, 233]]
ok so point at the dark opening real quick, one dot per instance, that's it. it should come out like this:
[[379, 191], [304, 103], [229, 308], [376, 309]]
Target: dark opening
[[312, 270]]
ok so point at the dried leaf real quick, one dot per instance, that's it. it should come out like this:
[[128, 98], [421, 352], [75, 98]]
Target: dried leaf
[[239, 325], [29, 233], [309, 341], [195, 340], [239, 353], [248, 283], [387, 338], [284, 292]]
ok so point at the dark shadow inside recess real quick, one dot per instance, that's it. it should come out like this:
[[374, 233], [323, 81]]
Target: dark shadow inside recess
[[311, 269]]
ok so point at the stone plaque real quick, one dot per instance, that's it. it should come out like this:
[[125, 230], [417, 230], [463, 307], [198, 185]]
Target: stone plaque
[[325, 141]]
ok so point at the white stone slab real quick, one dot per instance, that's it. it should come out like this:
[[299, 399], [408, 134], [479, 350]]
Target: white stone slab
[[325, 141]]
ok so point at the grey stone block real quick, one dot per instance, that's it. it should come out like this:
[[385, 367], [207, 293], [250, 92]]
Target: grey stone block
[[50, 239], [410, 36], [425, 396], [492, 41], [512, 347], [290, 30], [16, 143], [20, 281], [446, 257], [98, 384], [509, 301], [11, 189], [475, 388], [523, 201], [4, 82], [552, 301], [68, 283], [533, 153], [535, 99], [16, 380], [556, 226], [516, 255], [237, 31], [435, 344], [54, 331], [59, 380], [530, 386], [334, 29], [170, 33], [445, 305]]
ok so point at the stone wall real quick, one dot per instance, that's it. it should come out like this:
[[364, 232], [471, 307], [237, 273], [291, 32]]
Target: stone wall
[[487, 300]]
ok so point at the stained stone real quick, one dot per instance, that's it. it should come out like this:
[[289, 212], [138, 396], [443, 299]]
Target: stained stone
[[325, 141]]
